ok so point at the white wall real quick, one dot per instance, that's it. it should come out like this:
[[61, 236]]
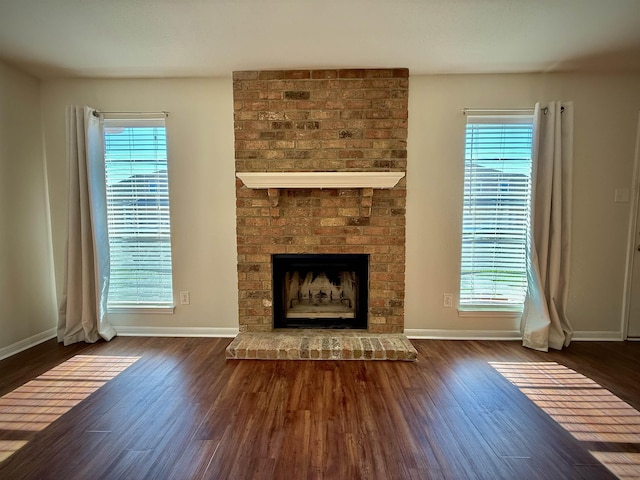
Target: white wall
[[201, 174], [606, 113], [27, 299], [201, 182]]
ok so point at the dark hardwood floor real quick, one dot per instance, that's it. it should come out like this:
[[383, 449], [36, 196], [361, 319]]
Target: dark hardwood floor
[[182, 412]]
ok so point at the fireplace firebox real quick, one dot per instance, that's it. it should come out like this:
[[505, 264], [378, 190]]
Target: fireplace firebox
[[320, 290]]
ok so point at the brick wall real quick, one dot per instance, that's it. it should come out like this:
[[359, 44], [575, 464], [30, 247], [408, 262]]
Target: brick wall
[[321, 120]]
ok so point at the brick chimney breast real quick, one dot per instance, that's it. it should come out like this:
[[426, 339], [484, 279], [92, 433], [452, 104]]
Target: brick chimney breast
[[351, 120]]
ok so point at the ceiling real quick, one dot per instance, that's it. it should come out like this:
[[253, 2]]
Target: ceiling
[[195, 38]]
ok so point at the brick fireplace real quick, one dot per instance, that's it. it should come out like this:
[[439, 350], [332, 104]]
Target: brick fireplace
[[341, 121]]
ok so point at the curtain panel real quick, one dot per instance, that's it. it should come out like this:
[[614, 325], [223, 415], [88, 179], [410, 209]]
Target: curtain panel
[[544, 321], [83, 307]]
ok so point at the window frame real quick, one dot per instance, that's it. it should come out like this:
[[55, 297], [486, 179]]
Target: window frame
[[467, 305], [141, 121]]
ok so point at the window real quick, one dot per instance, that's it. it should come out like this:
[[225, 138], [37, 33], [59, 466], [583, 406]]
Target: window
[[496, 212], [138, 213]]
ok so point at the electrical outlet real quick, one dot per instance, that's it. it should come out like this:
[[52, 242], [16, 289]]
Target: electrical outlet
[[447, 300], [185, 298]]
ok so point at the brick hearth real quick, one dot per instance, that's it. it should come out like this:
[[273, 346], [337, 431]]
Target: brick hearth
[[320, 121], [320, 345]]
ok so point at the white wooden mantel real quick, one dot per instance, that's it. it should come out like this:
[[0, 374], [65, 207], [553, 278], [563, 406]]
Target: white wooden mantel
[[366, 181], [320, 179]]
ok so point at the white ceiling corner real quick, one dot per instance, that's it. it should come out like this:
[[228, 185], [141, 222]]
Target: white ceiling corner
[[195, 38]]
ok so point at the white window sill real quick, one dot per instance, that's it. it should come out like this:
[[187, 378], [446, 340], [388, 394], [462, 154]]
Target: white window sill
[[483, 312], [168, 310]]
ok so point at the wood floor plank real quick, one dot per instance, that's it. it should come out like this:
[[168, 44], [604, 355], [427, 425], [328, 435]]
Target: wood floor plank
[[182, 412]]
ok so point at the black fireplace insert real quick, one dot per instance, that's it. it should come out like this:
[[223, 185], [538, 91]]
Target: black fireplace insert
[[320, 291]]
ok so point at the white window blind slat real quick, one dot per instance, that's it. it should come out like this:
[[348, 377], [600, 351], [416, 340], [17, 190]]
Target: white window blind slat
[[496, 211], [138, 213]]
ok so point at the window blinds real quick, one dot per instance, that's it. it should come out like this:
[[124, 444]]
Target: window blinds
[[496, 211], [138, 213]]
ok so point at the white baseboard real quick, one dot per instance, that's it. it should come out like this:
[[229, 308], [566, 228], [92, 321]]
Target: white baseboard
[[588, 336], [434, 334], [18, 347], [127, 331], [420, 333]]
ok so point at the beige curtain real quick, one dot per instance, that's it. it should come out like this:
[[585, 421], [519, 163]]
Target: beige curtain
[[82, 314], [544, 321]]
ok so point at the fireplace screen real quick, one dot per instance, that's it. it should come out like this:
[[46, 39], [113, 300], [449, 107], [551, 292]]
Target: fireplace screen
[[320, 291]]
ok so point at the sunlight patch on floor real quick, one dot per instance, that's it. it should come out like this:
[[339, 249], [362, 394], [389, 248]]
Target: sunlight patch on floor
[[624, 465], [7, 447], [582, 407], [38, 403]]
